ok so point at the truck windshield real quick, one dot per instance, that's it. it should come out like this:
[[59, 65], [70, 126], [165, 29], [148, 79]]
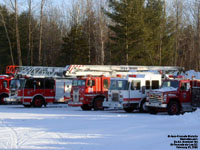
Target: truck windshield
[[17, 84], [173, 84], [14, 84], [118, 85], [78, 83]]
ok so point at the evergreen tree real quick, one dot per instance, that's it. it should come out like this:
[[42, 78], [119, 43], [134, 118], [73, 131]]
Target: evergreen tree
[[128, 28], [75, 47]]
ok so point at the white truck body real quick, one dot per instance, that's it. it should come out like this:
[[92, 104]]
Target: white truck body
[[135, 91]]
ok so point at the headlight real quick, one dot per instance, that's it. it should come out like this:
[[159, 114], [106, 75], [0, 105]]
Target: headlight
[[164, 97]]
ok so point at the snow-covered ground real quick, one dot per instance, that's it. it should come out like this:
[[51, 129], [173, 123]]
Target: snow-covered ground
[[60, 127]]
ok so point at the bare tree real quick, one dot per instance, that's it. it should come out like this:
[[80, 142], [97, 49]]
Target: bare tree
[[15, 8], [30, 52], [101, 29], [40, 32]]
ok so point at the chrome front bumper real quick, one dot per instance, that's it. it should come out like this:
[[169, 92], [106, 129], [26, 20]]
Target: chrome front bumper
[[158, 105], [12, 99], [111, 104]]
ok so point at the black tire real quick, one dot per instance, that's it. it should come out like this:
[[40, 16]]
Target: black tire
[[2, 99], [143, 108], [173, 108], [27, 106], [86, 107], [98, 103], [38, 102], [129, 109], [152, 111]]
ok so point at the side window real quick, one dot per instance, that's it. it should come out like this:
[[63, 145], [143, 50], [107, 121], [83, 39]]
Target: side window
[[5, 84], [155, 84], [135, 85], [91, 83], [185, 86], [49, 84], [29, 84], [39, 83], [105, 84], [147, 84]]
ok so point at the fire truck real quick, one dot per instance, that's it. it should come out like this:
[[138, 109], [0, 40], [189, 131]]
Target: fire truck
[[5, 83], [177, 95], [89, 91], [130, 93], [37, 86]]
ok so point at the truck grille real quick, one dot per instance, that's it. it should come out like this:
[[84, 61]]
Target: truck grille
[[155, 98], [76, 96], [12, 92], [115, 97]]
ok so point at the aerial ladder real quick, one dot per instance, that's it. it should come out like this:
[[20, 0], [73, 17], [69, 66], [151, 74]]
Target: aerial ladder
[[111, 70], [84, 70]]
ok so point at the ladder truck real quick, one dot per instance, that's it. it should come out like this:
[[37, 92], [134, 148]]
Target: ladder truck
[[91, 88], [5, 82], [37, 86]]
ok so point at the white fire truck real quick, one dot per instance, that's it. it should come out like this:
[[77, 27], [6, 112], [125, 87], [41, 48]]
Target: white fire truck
[[37, 86], [89, 92], [130, 93]]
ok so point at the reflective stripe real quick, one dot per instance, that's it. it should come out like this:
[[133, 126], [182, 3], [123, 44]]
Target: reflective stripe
[[26, 97]]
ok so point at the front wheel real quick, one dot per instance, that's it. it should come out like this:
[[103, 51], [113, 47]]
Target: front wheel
[[173, 108], [143, 107], [2, 99], [98, 103]]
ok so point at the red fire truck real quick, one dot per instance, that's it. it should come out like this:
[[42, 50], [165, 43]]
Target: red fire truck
[[176, 96], [5, 82], [41, 85], [89, 92]]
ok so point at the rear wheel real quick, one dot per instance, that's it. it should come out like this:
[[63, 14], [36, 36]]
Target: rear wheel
[[98, 103], [86, 107], [2, 99], [173, 108], [38, 102], [129, 110]]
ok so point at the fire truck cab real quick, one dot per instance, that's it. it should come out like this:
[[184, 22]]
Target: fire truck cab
[[89, 92], [4, 87], [130, 93], [175, 96]]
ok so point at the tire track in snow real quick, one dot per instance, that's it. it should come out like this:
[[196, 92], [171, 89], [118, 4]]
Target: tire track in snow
[[12, 142]]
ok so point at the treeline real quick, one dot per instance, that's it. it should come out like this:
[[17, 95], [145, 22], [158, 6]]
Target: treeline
[[123, 32]]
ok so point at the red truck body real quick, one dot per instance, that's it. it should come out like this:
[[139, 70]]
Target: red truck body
[[4, 87], [89, 92], [175, 96]]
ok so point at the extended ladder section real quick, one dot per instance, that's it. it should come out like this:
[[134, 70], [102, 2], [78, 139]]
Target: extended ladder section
[[38, 71], [84, 70], [80, 70]]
